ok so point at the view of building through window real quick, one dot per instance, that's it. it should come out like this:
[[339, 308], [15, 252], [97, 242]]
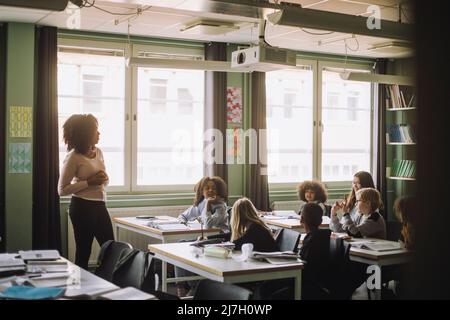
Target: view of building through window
[[95, 84]]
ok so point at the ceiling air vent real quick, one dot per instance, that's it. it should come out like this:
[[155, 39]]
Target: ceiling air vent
[[392, 49], [209, 27]]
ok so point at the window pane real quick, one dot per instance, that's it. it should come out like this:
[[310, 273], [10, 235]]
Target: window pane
[[170, 126], [289, 123], [95, 84], [346, 134]]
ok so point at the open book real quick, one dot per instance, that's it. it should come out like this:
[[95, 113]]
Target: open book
[[378, 245]]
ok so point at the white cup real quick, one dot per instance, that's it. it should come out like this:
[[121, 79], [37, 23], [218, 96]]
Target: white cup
[[247, 250]]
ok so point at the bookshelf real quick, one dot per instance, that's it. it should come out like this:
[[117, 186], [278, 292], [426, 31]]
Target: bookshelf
[[401, 140]]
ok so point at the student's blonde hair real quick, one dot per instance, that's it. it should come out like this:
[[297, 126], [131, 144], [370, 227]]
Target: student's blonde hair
[[371, 195], [243, 213]]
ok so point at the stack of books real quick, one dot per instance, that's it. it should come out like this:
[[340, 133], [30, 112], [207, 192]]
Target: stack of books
[[11, 265], [404, 168], [398, 97], [403, 133]]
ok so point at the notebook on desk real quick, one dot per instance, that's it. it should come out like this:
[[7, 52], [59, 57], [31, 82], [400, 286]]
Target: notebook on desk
[[40, 255]]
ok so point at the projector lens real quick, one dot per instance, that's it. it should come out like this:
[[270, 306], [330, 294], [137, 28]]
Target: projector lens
[[241, 58]]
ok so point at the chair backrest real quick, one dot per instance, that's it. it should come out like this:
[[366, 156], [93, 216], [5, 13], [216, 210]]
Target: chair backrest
[[229, 211], [133, 269], [339, 253], [109, 255], [393, 230], [327, 210], [287, 240], [213, 290]]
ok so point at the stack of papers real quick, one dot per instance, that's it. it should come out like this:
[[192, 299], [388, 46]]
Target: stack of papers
[[59, 279], [172, 227], [9, 265], [278, 257], [228, 245], [155, 223], [44, 266], [287, 214]]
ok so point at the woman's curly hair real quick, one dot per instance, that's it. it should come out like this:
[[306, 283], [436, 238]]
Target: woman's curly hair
[[221, 189], [320, 194], [78, 131]]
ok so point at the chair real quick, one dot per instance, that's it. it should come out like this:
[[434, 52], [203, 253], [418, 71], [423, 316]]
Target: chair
[[213, 290], [328, 210], [132, 269], [338, 268], [393, 230], [109, 255], [287, 240]]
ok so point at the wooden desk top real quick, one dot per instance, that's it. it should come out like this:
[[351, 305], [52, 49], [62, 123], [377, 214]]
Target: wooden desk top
[[294, 223], [142, 225], [183, 252]]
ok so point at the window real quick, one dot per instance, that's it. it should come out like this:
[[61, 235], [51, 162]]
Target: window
[[319, 126], [150, 120], [346, 136], [93, 83], [170, 132], [185, 104], [290, 131], [158, 95]]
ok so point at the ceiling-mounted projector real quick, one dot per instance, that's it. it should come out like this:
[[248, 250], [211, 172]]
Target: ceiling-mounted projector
[[263, 58]]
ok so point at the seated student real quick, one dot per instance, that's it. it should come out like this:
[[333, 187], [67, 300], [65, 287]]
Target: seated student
[[370, 223], [312, 192], [209, 204], [247, 227], [361, 179], [315, 251], [405, 208]]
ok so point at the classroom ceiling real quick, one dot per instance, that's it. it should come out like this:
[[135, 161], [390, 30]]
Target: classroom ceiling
[[165, 18]]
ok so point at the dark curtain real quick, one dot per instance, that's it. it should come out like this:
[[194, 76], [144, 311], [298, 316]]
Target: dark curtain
[[431, 277], [46, 216], [258, 183], [216, 106], [380, 136], [3, 35]]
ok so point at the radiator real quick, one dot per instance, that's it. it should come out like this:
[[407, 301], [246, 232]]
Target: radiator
[[138, 241]]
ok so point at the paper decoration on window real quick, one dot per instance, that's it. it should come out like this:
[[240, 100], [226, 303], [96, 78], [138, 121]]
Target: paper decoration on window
[[234, 105], [20, 158], [20, 122]]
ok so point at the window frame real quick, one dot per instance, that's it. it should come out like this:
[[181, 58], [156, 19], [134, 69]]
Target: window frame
[[317, 66], [344, 66], [82, 45], [160, 50]]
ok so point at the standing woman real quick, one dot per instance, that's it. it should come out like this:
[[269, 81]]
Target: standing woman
[[83, 176]]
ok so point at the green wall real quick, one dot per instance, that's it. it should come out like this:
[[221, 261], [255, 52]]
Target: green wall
[[19, 92]]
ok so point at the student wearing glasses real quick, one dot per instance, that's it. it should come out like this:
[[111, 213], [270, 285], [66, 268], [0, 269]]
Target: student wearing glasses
[[369, 223]]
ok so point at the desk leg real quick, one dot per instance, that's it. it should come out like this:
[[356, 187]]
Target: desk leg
[[117, 233], [298, 286], [164, 276]]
